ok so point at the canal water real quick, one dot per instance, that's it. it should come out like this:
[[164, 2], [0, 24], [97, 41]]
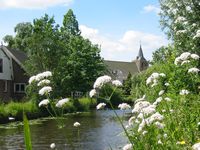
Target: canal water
[[99, 130]]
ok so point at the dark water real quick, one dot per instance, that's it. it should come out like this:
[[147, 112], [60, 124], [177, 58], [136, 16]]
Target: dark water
[[99, 130]]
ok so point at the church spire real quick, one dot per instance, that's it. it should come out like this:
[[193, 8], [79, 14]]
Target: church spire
[[140, 53], [141, 62]]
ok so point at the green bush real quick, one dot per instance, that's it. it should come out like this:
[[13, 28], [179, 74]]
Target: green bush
[[180, 113], [16, 109], [84, 104], [69, 107]]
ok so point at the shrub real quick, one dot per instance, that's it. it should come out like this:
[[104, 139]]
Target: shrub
[[84, 104], [16, 108]]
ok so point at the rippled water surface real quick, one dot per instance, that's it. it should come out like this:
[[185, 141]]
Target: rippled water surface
[[99, 130]]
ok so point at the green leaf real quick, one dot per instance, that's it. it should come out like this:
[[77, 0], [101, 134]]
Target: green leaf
[[27, 134]]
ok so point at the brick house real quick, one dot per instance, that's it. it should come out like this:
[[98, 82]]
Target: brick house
[[13, 79]]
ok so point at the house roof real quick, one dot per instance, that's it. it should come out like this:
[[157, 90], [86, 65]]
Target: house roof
[[19, 56], [125, 67]]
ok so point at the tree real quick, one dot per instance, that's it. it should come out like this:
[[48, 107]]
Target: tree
[[44, 45], [127, 85], [74, 61], [181, 21], [162, 54], [79, 70], [9, 40], [23, 31], [70, 24]]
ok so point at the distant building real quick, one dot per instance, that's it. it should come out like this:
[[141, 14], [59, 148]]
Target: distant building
[[13, 79], [119, 70]]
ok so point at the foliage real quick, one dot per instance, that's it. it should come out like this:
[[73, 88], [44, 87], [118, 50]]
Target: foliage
[[162, 54], [127, 85], [21, 40], [106, 91], [81, 67], [181, 112], [85, 104], [181, 21], [70, 24], [16, 109], [73, 60], [27, 133]]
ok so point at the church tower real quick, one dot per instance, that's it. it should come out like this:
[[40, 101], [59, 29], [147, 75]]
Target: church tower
[[141, 62]]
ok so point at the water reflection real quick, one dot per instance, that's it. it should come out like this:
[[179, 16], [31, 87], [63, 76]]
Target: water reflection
[[98, 131]]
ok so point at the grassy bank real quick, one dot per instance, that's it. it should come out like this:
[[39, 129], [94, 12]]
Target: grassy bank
[[15, 109]]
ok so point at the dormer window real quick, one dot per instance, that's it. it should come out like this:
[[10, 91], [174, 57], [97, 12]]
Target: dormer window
[[1, 65]]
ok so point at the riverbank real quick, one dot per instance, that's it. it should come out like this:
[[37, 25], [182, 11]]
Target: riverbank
[[13, 111]]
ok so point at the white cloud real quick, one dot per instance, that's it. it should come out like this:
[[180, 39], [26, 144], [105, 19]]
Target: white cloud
[[32, 4], [151, 8], [125, 48]]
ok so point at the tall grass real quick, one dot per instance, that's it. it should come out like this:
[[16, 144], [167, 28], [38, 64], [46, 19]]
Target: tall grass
[[16, 109]]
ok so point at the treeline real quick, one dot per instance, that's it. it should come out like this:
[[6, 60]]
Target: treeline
[[74, 61]]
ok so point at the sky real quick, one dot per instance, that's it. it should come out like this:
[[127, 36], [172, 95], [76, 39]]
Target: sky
[[118, 26]]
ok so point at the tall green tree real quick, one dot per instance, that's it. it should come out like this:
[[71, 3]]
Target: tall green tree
[[44, 45], [78, 70], [74, 61], [163, 54], [180, 20], [70, 24], [23, 32]]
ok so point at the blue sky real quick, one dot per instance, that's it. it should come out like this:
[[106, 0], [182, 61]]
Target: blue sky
[[118, 26]]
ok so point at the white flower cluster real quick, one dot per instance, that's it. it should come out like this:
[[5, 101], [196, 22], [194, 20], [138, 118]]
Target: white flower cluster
[[44, 102], [92, 93], [100, 106], [180, 19], [181, 32], [116, 83], [62, 102], [153, 79], [53, 145], [184, 58], [193, 70], [100, 82], [43, 82], [184, 92], [124, 106], [40, 76], [43, 75], [77, 124], [45, 90], [31, 79], [196, 146], [146, 114], [41, 79], [197, 34], [161, 92], [128, 147]]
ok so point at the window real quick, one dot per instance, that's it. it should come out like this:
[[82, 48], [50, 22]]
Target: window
[[1, 65], [5, 86], [19, 87]]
